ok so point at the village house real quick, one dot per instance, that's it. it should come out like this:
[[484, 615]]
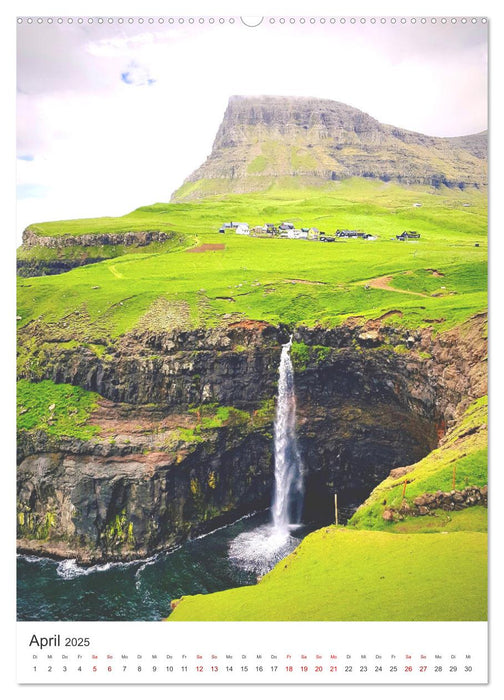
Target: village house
[[346, 233], [287, 230], [298, 233], [232, 225], [406, 235]]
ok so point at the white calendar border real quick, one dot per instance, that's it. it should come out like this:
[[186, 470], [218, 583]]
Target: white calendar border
[[274, 7], [318, 653]]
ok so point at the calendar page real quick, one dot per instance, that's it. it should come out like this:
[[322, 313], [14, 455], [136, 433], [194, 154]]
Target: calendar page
[[252, 349]]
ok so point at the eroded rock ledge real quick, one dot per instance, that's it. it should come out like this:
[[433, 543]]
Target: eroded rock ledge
[[138, 238]]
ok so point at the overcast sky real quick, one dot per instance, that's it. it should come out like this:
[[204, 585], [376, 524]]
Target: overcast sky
[[111, 117]]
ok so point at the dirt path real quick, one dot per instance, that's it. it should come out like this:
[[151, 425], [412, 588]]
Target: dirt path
[[206, 246], [304, 281], [384, 283], [115, 272]]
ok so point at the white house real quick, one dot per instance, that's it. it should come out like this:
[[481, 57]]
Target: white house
[[243, 230]]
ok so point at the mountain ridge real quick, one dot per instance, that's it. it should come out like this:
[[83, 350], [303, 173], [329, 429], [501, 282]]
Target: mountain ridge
[[312, 140]]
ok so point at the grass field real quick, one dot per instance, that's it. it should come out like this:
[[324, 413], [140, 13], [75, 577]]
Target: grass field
[[340, 574], [275, 280]]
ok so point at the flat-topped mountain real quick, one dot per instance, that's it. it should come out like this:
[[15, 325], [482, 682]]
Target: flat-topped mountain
[[313, 141]]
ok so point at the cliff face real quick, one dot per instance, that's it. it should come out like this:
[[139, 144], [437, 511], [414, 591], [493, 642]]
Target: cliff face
[[158, 473], [317, 141], [129, 238]]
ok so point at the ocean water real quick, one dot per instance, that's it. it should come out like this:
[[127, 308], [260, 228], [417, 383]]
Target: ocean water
[[228, 557]]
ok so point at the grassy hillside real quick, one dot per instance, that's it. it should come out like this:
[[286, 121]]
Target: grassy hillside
[[340, 574], [280, 280]]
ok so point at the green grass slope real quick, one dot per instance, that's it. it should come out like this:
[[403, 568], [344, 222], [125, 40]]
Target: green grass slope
[[340, 574], [267, 279], [57, 409]]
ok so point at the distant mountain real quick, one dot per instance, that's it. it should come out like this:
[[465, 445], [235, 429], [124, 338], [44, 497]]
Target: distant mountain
[[311, 141], [477, 144]]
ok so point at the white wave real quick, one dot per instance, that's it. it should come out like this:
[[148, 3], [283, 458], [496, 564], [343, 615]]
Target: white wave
[[32, 558], [69, 569], [223, 527], [138, 572]]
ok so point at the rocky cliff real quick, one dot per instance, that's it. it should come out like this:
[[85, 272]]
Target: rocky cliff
[[317, 141], [129, 238], [185, 436]]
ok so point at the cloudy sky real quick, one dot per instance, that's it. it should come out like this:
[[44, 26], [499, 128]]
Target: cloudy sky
[[114, 116]]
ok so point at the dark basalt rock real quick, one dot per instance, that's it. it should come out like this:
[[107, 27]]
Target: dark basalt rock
[[138, 238]]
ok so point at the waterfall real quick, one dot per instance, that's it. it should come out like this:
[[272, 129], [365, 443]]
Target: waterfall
[[288, 495], [259, 550]]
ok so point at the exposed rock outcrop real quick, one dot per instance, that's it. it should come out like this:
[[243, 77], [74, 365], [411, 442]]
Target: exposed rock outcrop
[[138, 238], [428, 503]]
